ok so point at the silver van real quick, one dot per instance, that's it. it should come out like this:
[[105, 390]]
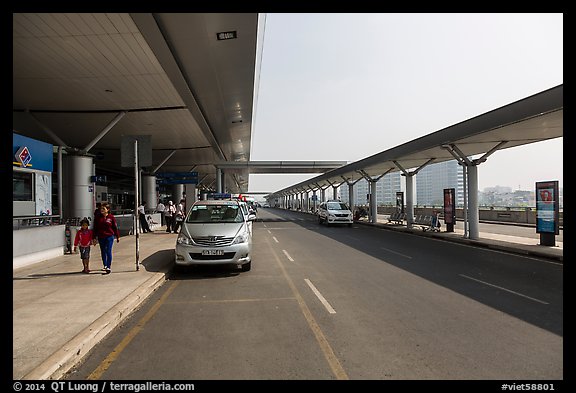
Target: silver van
[[334, 212], [216, 232]]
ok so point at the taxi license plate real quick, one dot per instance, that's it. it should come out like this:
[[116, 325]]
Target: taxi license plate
[[212, 252]]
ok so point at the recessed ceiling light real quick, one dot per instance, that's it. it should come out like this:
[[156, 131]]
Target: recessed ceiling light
[[226, 35]]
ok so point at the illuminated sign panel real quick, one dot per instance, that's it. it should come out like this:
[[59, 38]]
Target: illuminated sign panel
[[547, 207], [226, 35]]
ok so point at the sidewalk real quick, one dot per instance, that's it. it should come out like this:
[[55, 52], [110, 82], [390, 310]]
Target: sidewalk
[[59, 314], [525, 242]]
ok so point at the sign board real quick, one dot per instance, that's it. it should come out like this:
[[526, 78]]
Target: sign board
[[400, 202], [547, 207], [179, 175], [163, 181], [98, 179], [23, 156], [144, 150], [31, 153], [177, 178], [219, 195], [449, 206]]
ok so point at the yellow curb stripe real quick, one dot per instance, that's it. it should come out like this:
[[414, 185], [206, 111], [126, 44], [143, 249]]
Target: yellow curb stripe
[[107, 362], [329, 354]]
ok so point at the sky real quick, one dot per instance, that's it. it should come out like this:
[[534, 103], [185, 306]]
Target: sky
[[343, 87]]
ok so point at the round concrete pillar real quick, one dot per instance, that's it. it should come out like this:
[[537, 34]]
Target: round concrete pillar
[[177, 193], [79, 189], [149, 193]]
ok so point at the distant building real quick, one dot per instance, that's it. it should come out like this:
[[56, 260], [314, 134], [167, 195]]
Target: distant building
[[386, 189], [434, 178]]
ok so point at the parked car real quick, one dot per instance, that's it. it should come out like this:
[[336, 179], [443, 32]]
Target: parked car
[[334, 212], [216, 232]]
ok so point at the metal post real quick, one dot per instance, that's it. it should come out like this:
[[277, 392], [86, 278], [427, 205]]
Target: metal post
[[60, 184], [136, 202], [465, 178]]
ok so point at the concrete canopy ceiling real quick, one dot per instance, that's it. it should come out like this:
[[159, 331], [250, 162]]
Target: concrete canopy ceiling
[[168, 73]]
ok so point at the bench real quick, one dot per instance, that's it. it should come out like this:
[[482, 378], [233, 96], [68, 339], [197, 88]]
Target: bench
[[428, 222], [397, 217]]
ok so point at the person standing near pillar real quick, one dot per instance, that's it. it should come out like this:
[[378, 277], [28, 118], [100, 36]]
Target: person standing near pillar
[[142, 216], [179, 216], [106, 229], [169, 214], [160, 209]]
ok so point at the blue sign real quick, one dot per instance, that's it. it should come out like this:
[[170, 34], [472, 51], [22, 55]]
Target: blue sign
[[178, 175], [219, 195], [98, 179], [31, 153], [177, 181]]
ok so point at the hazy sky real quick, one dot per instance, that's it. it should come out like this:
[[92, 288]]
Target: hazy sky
[[342, 87]]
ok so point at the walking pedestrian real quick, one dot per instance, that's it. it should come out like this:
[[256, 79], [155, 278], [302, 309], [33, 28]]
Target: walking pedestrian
[[142, 216], [160, 208], [84, 239], [179, 217], [169, 214], [106, 229]]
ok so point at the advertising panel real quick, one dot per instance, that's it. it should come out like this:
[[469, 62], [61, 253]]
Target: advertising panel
[[449, 206], [547, 207], [400, 202]]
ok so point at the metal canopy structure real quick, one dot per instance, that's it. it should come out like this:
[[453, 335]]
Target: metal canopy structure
[[268, 167], [82, 81], [532, 119]]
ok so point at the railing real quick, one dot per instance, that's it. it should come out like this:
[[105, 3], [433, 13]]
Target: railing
[[23, 222]]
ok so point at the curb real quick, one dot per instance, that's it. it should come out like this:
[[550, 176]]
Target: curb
[[71, 353], [491, 244]]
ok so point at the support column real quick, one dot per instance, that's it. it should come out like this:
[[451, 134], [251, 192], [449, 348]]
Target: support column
[[78, 189], [409, 199], [473, 216], [218, 180], [373, 202], [177, 193], [307, 203], [351, 197], [334, 192], [149, 193], [191, 196]]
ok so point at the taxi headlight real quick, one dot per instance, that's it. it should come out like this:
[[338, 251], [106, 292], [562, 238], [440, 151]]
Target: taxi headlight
[[241, 238], [183, 239]]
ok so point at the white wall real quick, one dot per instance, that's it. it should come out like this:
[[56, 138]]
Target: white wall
[[36, 244]]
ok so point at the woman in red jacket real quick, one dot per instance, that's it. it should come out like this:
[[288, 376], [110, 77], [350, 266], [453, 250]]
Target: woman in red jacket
[[106, 230]]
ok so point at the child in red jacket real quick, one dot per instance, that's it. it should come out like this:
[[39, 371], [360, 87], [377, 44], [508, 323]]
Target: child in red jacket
[[84, 239]]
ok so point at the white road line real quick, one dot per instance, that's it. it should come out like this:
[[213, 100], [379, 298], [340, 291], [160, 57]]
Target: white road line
[[395, 252], [276, 240], [504, 289], [288, 256], [320, 297], [269, 231]]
